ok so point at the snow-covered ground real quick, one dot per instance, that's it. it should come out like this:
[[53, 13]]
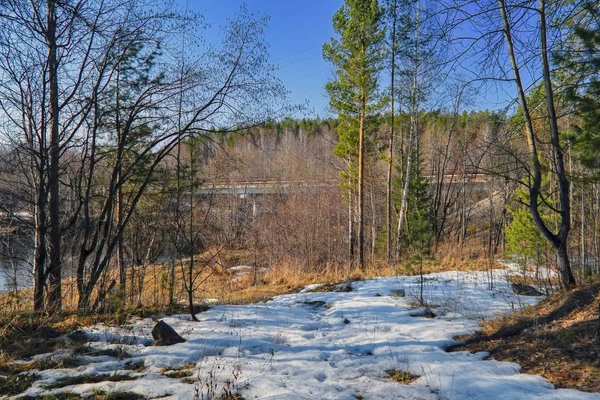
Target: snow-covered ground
[[325, 346]]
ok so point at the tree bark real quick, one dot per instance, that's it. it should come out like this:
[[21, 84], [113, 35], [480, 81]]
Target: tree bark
[[351, 240], [407, 178], [559, 240], [55, 267], [361, 194], [373, 224], [120, 151], [391, 141], [40, 252], [411, 141]]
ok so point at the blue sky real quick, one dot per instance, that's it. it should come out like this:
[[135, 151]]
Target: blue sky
[[297, 31]]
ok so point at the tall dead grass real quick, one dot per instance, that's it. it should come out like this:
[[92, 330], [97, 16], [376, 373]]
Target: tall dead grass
[[223, 285]]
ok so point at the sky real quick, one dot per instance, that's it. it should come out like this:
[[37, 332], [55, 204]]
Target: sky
[[296, 33]]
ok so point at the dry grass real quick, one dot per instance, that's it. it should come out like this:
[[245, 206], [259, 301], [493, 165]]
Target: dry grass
[[225, 286], [558, 339], [184, 371], [402, 377]]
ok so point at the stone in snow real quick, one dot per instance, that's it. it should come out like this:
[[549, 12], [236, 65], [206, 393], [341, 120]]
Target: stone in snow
[[164, 335]]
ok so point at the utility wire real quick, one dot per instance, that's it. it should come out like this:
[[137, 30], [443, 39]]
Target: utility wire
[[302, 59], [308, 76], [295, 54]]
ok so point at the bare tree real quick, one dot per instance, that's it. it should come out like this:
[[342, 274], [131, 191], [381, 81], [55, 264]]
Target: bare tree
[[558, 240]]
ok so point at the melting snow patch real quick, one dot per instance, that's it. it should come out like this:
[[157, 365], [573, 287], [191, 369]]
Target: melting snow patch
[[295, 347]]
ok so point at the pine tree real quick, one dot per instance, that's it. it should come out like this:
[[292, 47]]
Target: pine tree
[[417, 237], [524, 240], [582, 73], [357, 55]]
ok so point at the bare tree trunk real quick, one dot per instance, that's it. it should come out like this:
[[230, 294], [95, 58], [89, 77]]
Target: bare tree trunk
[[192, 237], [389, 182], [463, 206], [584, 265], [404, 201], [120, 144], [559, 240], [391, 142], [361, 194], [411, 141], [40, 252], [563, 183], [171, 283], [373, 225], [351, 254], [54, 270]]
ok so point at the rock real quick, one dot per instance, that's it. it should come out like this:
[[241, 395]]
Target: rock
[[397, 292], [164, 335], [525, 290], [344, 288]]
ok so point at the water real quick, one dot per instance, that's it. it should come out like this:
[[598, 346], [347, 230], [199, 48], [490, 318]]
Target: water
[[16, 268]]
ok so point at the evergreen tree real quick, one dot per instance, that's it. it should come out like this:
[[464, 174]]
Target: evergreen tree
[[417, 237], [357, 55], [581, 60], [524, 240]]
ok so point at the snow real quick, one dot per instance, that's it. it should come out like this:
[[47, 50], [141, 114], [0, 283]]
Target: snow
[[531, 271], [241, 268], [326, 346], [247, 268]]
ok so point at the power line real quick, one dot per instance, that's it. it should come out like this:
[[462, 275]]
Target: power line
[[307, 76], [297, 61], [295, 54]]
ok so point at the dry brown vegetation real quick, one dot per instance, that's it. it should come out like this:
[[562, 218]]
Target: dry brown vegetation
[[225, 286], [402, 377], [558, 339]]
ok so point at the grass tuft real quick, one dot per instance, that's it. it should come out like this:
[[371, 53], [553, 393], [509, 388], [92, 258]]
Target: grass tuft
[[402, 377], [178, 374]]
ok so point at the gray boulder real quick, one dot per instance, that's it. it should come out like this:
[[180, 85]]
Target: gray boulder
[[164, 335]]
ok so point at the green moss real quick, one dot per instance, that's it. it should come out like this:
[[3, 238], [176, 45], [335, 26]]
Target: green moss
[[16, 384]]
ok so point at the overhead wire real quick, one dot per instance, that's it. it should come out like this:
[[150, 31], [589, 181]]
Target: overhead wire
[[296, 53]]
